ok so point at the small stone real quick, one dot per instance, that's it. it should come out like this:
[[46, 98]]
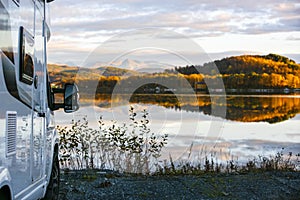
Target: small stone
[[105, 184], [226, 193]]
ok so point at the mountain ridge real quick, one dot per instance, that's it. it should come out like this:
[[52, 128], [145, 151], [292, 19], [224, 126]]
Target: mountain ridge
[[246, 64], [244, 71], [136, 65]]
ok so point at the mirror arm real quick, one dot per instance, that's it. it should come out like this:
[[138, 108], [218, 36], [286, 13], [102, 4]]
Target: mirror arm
[[58, 90], [58, 106]]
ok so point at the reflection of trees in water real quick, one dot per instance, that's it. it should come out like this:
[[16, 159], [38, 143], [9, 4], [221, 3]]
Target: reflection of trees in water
[[270, 109]]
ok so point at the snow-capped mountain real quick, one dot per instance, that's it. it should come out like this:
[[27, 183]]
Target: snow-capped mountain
[[141, 66]]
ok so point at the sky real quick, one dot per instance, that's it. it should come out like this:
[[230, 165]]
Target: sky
[[89, 33]]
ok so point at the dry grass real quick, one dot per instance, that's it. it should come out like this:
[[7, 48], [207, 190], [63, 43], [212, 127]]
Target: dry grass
[[134, 148]]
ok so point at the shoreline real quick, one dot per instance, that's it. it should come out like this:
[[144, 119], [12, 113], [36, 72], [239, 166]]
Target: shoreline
[[106, 184]]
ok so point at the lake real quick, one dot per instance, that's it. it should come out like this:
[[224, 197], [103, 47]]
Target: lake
[[237, 127]]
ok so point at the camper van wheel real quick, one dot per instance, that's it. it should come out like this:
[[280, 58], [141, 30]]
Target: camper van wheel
[[5, 193], [53, 187], [3, 196]]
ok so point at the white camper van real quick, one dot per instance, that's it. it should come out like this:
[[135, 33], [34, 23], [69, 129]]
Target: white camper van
[[29, 167]]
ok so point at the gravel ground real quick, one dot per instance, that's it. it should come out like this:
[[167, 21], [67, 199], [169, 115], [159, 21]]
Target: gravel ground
[[111, 185]]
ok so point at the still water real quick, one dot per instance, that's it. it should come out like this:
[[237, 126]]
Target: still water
[[236, 127]]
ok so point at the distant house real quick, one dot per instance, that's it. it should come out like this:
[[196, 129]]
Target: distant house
[[169, 89], [286, 90], [157, 90], [200, 86]]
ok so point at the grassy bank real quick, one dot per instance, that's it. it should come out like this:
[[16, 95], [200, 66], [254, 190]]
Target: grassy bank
[[134, 148]]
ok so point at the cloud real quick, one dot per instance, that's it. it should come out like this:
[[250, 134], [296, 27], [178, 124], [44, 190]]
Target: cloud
[[91, 22], [292, 37], [291, 24], [214, 16]]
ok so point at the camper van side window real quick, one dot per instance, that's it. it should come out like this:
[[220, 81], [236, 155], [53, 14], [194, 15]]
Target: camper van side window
[[26, 48]]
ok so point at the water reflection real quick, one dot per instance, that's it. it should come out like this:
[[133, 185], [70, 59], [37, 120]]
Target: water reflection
[[271, 109], [187, 120]]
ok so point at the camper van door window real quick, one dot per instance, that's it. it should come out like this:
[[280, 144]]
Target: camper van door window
[[26, 53]]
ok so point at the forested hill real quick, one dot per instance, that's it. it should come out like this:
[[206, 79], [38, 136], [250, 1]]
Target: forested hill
[[64, 73], [238, 72], [247, 64]]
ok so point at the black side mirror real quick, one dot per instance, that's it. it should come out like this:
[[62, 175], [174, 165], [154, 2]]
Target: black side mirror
[[67, 98], [71, 98]]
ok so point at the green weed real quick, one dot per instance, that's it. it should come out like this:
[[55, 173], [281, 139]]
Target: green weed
[[131, 148]]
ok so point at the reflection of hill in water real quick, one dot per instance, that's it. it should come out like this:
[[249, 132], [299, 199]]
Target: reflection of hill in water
[[270, 109], [256, 109]]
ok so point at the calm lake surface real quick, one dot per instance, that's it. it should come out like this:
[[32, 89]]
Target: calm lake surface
[[236, 127]]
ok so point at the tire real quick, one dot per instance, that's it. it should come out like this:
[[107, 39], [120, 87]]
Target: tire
[[52, 192], [4, 196]]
